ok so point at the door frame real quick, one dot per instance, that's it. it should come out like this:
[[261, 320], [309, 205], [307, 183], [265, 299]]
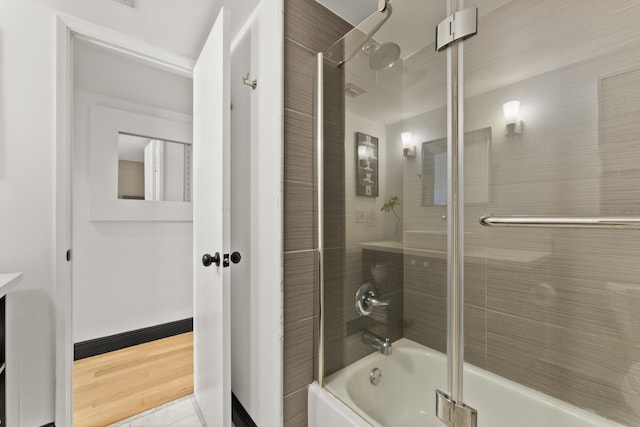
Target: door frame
[[68, 27], [267, 219]]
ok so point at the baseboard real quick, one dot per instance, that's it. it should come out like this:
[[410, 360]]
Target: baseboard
[[239, 415], [103, 345]]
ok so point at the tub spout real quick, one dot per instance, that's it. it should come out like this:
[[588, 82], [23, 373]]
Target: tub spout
[[381, 344]]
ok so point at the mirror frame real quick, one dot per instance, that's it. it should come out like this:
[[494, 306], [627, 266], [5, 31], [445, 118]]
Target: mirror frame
[[106, 124]]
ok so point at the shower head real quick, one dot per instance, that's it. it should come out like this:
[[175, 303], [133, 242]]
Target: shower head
[[384, 57], [381, 56]]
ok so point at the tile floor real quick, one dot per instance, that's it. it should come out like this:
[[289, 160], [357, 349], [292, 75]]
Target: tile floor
[[179, 413]]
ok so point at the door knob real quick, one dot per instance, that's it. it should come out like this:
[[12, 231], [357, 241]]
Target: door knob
[[236, 257], [207, 260]]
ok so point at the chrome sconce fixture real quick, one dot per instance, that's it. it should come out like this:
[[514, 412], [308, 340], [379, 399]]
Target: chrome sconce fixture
[[514, 126], [408, 149]]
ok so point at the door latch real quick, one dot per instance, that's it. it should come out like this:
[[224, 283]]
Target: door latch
[[234, 258]]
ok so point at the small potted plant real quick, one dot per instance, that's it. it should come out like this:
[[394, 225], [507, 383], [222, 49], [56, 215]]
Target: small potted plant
[[389, 206]]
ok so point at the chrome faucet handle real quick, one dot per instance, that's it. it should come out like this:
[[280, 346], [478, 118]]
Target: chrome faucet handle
[[367, 300], [371, 300]]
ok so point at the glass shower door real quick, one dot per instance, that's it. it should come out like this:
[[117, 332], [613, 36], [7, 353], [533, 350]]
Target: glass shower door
[[549, 139], [377, 92], [552, 278]]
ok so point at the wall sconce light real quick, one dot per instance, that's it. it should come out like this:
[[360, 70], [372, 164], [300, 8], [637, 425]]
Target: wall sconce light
[[408, 149], [514, 126]]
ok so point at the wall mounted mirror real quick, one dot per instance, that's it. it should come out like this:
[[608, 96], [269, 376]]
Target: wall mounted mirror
[[434, 172], [153, 169], [140, 167], [476, 168]]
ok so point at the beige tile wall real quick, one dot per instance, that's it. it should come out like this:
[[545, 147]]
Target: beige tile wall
[[566, 323], [309, 28]]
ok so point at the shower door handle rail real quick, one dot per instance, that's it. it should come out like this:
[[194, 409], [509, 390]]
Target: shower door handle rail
[[561, 222]]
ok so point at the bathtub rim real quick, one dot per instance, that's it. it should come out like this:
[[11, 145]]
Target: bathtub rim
[[341, 376]]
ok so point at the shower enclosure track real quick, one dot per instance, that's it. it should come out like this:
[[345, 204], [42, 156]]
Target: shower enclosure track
[[560, 222]]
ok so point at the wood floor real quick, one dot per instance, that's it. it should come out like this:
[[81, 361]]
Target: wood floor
[[116, 385]]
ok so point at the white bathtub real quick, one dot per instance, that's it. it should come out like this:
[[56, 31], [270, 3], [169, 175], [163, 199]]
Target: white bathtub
[[405, 395]]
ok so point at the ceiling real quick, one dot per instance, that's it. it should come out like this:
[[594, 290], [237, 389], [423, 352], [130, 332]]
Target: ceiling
[[352, 11], [175, 25]]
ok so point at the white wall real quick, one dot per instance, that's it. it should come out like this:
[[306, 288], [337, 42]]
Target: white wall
[[256, 224], [26, 203], [126, 275], [243, 302]]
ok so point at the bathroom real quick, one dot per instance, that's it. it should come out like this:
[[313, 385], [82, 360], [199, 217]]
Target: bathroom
[[550, 310], [550, 274]]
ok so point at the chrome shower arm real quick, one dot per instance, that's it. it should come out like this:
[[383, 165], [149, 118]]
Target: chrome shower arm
[[387, 10]]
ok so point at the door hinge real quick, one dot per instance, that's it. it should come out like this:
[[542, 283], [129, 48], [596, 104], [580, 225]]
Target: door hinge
[[459, 26], [454, 415]]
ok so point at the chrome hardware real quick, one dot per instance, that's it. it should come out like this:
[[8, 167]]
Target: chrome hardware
[[454, 415], [367, 299], [381, 344], [387, 10], [375, 375], [249, 82], [459, 26], [559, 222], [207, 260]]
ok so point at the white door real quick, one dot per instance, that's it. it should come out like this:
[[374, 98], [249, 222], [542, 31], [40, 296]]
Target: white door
[[211, 143]]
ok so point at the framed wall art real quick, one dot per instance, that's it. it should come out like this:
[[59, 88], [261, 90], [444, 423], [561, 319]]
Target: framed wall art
[[366, 165]]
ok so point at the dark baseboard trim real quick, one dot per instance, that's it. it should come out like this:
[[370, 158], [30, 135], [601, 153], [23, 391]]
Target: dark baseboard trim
[[239, 415], [127, 339]]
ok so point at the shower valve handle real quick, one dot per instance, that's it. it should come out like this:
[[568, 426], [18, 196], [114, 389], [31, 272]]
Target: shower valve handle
[[369, 298]]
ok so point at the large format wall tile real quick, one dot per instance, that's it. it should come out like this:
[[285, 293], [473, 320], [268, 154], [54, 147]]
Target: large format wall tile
[[299, 164], [308, 29], [301, 291], [583, 369], [425, 320], [295, 408], [299, 217], [312, 25], [299, 68], [298, 354]]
